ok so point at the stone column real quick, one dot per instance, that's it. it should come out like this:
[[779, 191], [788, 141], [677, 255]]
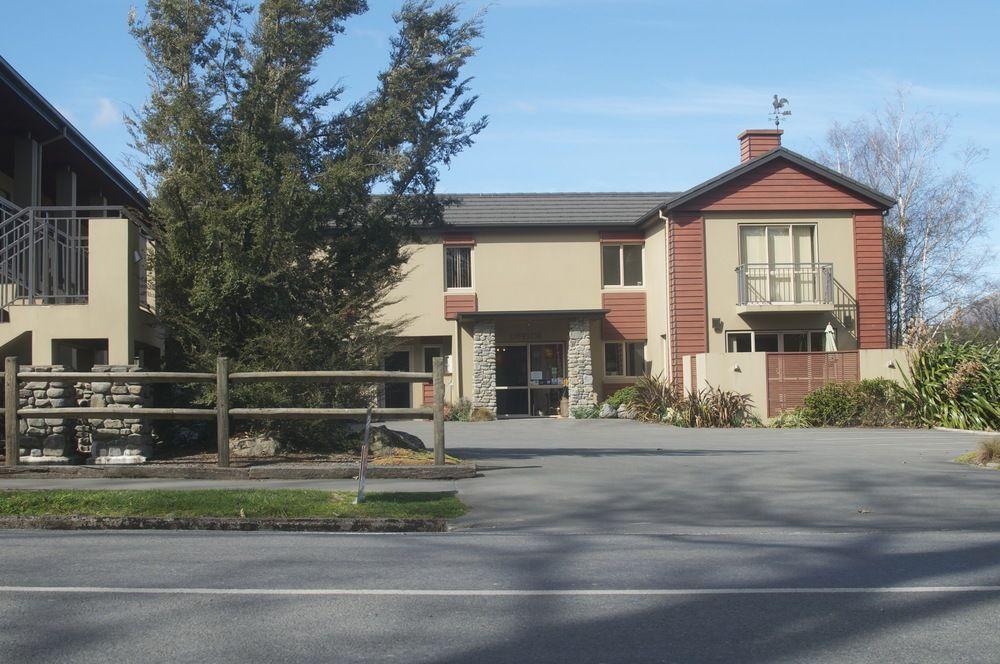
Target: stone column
[[580, 369], [44, 440], [484, 365], [116, 439]]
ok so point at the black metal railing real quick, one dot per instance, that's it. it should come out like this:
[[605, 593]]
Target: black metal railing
[[785, 283], [44, 253]]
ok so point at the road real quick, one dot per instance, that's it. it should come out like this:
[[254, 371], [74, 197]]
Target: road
[[639, 544]]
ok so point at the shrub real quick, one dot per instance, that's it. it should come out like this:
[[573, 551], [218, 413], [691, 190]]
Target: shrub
[[622, 396], [651, 398], [584, 412], [873, 402], [481, 415], [458, 412], [790, 419], [954, 385], [988, 451], [715, 407]]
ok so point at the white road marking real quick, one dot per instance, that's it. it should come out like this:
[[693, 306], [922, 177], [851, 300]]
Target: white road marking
[[489, 592]]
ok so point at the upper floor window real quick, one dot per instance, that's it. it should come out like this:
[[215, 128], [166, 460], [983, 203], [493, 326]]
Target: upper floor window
[[458, 267], [621, 264], [778, 244]]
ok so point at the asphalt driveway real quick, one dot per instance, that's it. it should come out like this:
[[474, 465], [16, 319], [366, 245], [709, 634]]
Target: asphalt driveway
[[616, 476]]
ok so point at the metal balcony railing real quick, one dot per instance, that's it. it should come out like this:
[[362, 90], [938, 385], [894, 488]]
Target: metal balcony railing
[[44, 253], [784, 283]]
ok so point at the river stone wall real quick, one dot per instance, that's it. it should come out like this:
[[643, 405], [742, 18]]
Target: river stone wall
[[121, 438], [580, 368], [484, 365], [44, 440]]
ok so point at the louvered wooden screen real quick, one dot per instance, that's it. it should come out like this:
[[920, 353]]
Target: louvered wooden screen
[[791, 376]]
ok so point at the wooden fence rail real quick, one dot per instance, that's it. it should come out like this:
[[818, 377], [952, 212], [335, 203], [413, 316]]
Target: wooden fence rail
[[222, 413]]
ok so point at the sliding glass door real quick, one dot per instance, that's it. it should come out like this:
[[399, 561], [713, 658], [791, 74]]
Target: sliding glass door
[[530, 378], [780, 263]]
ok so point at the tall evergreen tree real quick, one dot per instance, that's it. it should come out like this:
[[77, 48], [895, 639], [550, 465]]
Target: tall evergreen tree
[[273, 248]]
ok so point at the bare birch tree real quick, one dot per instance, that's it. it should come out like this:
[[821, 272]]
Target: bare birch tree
[[934, 236]]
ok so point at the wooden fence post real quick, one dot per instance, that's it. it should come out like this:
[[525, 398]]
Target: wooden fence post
[[438, 367], [12, 448], [222, 410]]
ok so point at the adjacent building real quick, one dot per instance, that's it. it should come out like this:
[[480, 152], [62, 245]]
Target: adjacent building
[[748, 281], [75, 283]]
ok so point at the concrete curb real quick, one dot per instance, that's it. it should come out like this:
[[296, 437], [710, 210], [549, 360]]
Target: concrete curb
[[972, 431], [339, 525], [329, 471]]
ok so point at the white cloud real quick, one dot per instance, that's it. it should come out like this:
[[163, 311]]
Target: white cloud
[[107, 113]]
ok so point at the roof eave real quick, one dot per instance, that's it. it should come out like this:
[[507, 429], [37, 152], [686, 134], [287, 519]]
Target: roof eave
[[45, 110]]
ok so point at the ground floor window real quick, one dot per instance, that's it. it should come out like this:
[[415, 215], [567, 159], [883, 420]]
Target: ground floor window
[[798, 341], [624, 358], [430, 352]]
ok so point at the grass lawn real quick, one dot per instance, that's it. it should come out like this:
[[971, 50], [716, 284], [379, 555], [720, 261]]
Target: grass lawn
[[284, 503]]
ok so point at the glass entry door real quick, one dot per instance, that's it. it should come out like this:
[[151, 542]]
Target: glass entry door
[[530, 379]]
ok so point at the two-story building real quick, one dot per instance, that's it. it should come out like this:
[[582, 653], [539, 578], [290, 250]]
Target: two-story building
[[748, 281], [75, 283]]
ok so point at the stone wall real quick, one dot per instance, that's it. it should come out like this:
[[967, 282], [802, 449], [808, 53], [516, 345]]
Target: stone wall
[[580, 368], [484, 365], [44, 440], [117, 439]]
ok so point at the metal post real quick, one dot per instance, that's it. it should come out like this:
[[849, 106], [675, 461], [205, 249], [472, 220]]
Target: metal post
[[438, 368], [222, 410], [12, 448]]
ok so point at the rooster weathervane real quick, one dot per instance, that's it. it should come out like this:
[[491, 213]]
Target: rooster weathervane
[[779, 112]]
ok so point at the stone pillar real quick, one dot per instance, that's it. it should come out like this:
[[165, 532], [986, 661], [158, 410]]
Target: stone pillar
[[484, 365], [580, 369], [44, 440], [117, 439]]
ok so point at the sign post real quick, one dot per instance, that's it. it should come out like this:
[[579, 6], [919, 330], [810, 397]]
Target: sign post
[[364, 457]]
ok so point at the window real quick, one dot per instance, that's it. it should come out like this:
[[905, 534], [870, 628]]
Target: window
[[458, 267], [430, 352], [624, 358], [774, 342], [739, 342], [780, 262], [621, 264]]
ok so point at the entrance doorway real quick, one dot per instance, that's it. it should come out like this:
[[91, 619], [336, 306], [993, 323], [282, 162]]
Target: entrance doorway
[[530, 379], [398, 395]]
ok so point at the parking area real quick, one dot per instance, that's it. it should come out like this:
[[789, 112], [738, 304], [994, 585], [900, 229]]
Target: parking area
[[616, 476]]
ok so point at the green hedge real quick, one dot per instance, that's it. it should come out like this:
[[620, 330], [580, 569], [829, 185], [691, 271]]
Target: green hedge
[[875, 402]]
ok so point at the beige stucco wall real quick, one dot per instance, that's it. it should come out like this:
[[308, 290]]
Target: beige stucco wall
[[527, 270], [656, 298], [745, 373], [834, 244], [889, 363], [112, 311], [533, 270], [418, 300]]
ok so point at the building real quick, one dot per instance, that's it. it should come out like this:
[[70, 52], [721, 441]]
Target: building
[[745, 281], [75, 287]]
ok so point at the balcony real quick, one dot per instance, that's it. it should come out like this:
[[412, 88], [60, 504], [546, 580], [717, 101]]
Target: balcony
[[784, 287]]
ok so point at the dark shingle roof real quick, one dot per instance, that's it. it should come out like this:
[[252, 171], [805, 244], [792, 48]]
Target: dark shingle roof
[[556, 209]]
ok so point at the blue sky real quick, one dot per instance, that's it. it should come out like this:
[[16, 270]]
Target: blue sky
[[626, 95]]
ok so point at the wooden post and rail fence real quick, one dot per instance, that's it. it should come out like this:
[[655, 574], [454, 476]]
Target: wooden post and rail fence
[[222, 413]]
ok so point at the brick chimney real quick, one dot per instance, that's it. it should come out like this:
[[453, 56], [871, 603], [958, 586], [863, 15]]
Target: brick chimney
[[755, 142]]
